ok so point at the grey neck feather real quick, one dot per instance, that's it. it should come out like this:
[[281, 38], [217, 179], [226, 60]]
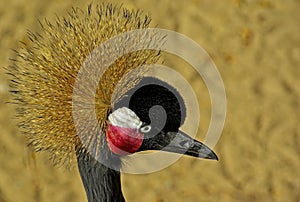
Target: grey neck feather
[[100, 182]]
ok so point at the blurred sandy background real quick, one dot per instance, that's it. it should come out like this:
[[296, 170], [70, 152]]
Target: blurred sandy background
[[256, 47]]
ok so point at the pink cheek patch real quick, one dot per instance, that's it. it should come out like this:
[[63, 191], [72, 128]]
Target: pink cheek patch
[[123, 141]]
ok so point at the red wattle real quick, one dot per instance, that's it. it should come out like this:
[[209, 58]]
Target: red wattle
[[123, 141]]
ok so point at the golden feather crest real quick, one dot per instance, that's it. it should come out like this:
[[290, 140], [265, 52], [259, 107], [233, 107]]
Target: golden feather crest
[[44, 75]]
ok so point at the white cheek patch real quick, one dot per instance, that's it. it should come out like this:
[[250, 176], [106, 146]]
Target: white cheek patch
[[124, 117]]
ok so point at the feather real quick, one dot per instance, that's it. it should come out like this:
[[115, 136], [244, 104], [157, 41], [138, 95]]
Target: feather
[[43, 77]]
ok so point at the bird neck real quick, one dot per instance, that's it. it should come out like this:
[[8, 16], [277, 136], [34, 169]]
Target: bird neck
[[101, 183]]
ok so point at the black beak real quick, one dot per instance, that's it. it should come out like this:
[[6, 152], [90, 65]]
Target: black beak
[[178, 142]]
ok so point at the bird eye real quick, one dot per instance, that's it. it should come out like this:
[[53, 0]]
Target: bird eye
[[145, 129]]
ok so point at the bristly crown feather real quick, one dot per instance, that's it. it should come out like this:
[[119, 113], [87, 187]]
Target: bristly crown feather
[[44, 73]]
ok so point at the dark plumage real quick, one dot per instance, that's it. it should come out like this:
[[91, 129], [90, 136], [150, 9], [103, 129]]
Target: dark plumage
[[100, 182], [150, 92]]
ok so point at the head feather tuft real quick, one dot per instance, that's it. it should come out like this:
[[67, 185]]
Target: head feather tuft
[[43, 76]]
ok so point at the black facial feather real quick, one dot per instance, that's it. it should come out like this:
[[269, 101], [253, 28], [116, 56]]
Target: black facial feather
[[149, 97]]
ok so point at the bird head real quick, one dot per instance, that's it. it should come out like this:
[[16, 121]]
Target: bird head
[[151, 121]]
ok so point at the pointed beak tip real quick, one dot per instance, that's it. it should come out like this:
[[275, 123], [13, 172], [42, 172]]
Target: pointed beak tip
[[213, 156], [210, 156], [205, 152]]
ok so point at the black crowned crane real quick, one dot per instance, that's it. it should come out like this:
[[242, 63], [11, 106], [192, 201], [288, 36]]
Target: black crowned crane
[[42, 83]]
